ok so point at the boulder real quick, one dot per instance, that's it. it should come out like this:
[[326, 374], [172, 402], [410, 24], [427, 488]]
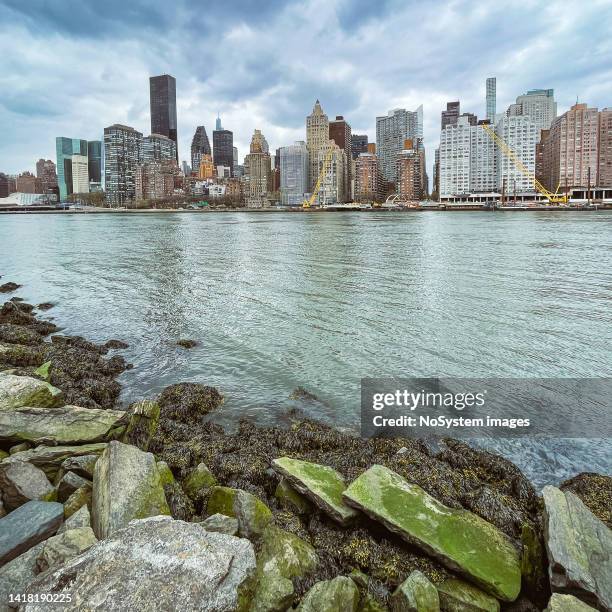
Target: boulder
[[80, 518], [595, 491], [61, 425], [154, 564], [252, 514], [289, 499], [165, 473], [319, 483], [18, 334], [68, 484], [82, 465], [21, 482], [17, 391], [126, 486], [459, 539], [198, 482], [186, 402], [17, 574], [9, 287], [579, 548], [142, 426], [79, 499], [20, 356], [19, 448], [415, 594], [25, 527], [459, 595], [567, 603], [220, 523], [337, 595], [44, 371], [64, 546], [274, 594]]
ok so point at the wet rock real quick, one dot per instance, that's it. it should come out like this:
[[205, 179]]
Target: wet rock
[[458, 595], [185, 402], [220, 523], [143, 421], [17, 391], [116, 344], [534, 566], [415, 594], [82, 465], [17, 574], [17, 334], [337, 595], [567, 603], [21, 482], [45, 306], [187, 344], [68, 484], [26, 526], [79, 499], [252, 514], [20, 355], [579, 548], [126, 486], [595, 491], [154, 564], [44, 371], [61, 425], [9, 287], [181, 507], [461, 540], [199, 482], [65, 546], [320, 484], [81, 518], [290, 499]]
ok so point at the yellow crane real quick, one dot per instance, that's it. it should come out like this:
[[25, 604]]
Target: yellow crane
[[553, 198], [324, 168]]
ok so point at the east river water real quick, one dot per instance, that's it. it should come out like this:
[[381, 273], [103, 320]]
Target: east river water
[[281, 300]]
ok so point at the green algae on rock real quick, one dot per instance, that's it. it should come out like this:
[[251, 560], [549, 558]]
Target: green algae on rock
[[459, 595], [142, 424], [319, 483], [198, 482], [18, 391], [461, 540], [290, 499], [337, 595], [567, 603], [415, 594], [252, 514]]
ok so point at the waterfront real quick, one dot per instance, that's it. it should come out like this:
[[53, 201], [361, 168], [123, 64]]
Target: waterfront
[[279, 301]]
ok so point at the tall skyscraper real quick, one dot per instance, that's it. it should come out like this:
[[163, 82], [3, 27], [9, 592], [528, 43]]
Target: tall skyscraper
[[392, 130], [359, 144], [162, 90], [317, 137], [223, 147], [491, 99], [257, 171], [199, 146], [340, 133], [218, 125], [293, 173], [521, 135], [65, 148], [94, 154], [122, 154], [368, 179], [157, 147], [450, 115], [604, 172], [80, 174], [537, 104]]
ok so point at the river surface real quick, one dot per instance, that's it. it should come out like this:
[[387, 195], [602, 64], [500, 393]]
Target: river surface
[[281, 300]]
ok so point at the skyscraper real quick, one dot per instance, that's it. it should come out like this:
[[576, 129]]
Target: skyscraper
[[157, 147], [521, 135], [359, 144], [45, 171], [293, 173], [80, 174], [604, 172], [491, 99], [450, 115], [94, 154], [199, 146], [537, 104], [317, 137], [340, 133], [257, 170], [223, 147], [162, 90], [122, 154], [65, 148]]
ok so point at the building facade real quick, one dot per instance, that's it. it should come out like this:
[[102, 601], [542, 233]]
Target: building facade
[[200, 146], [158, 147], [294, 174], [4, 186], [223, 148], [162, 94], [331, 187], [409, 185], [317, 137], [45, 171], [26, 182], [537, 104], [491, 96], [368, 179], [257, 172], [450, 115], [521, 135], [94, 161], [207, 167], [154, 179], [340, 133], [122, 155], [604, 170], [80, 174], [359, 144], [65, 148]]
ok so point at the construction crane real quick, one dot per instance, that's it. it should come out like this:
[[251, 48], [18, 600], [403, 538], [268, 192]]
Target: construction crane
[[553, 198], [324, 168]]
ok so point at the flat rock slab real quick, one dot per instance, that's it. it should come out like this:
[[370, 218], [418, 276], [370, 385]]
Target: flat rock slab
[[17, 574], [579, 548], [459, 595], [27, 526], [21, 482], [153, 564], [126, 486], [462, 541], [320, 484], [338, 595], [17, 391], [567, 603], [59, 425]]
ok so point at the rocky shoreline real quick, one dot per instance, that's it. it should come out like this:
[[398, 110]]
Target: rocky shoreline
[[153, 507]]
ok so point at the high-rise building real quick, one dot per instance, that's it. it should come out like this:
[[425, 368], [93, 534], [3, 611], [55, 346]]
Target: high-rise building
[[436, 174], [45, 171], [26, 182], [392, 130], [604, 172], [340, 133], [200, 145], [122, 154], [294, 174], [218, 125], [491, 99], [80, 174], [483, 160], [450, 115], [94, 161], [359, 144], [162, 92], [521, 135], [537, 104], [207, 167], [4, 186], [186, 168], [158, 147], [257, 168], [235, 155], [409, 184], [317, 137], [368, 179], [223, 147], [258, 141], [65, 149], [332, 186], [154, 179]]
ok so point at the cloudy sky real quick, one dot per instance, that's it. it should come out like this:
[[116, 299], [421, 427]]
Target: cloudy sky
[[72, 67]]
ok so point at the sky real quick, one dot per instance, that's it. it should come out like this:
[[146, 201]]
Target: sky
[[72, 67]]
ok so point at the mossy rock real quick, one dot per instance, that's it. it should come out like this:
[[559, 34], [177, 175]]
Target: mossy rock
[[274, 593], [165, 473], [81, 497], [289, 499], [415, 594], [199, 482], [142, 425], [252, 514], [18, 391], [459, 595], [337, 595], [44, 371]]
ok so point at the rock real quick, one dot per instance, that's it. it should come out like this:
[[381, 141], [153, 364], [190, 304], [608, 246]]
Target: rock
[[567, 603], [9, 287], [126, 486], [79, 499], [19, 448], [61, 425], [220, 523], [337, 595], [595, 491], [21, 482], [65, 546], [252, 514], [3, 454], [17, 391], [458, 595], [116, 344], [17, 574], [45, 306], [18, 334], [81, 518], [21, 356], [154, 564], [533, 566], [165, 473], [181, 507], [82, 465], [274, 594], [3, 511], [27, 526], [462, 541], [69, 483], [44, 371], [143, 423], [579, 548], [185, 402], [290, 499], [320, 484], [198, 482], [415, 594], [184, 343]]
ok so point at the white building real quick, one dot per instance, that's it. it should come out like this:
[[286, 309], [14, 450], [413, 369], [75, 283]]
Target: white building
[[455, 158], [80, 174], [216, 191], [294, 174], [521, 135], [483, 161], [537, 104]]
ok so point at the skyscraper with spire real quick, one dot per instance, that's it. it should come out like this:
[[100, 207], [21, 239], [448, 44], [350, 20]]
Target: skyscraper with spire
[[317, 137], [223, 147]]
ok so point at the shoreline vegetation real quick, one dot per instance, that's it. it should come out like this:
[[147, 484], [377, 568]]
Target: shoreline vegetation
[[153, 507]]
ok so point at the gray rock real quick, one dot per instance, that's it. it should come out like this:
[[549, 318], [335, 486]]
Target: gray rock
[[579, 548], [142, 424], [154, 564], [82, 465], [415, 594], [25, 527], [567, 603], [81, 497], [69, 483], [17, 391], [126, 486], [19, 448], [65, 546], [338, 595], [81, 518], [221, 524], [2, 508], [17, 574], [21, 482]]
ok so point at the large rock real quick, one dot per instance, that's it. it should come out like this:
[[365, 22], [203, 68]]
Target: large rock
[[461, 540], [126, 486], [21, 482], [567, 603], [82, 465], [289, 499], [27, 526], [252, 514], [220, 523], [143, 423], [17, 391], [154, 564], [80, 518], [79, 499], [579, 548], [415, 594], [17, 574], [61, 425], [198, 482], [64, 546], [458, 595], [338, 595], [68, 484], [319, 483]]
